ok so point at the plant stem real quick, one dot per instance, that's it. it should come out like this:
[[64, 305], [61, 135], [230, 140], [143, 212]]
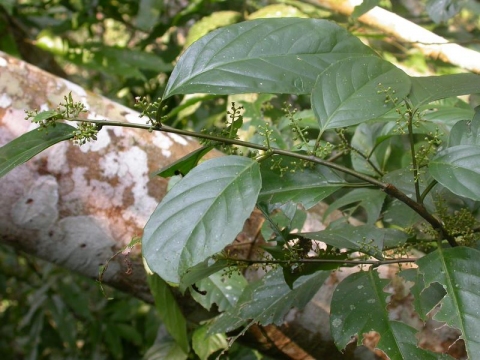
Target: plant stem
[[386, 187], [331, 261], [412, 150]]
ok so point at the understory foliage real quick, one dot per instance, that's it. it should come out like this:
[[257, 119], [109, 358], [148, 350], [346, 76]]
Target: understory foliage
[[311, 114]]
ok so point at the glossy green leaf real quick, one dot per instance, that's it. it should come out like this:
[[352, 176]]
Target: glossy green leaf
[[458, 169], [188, 226], [263, 56], [351, 91], [370, 199], [30, 144], [466, 132], [367, 238], [430, 88], [205, 345], [305, 186], [268, 300], [458, 271], [185, 164], [219, 289], [169, 311], [359, 306]]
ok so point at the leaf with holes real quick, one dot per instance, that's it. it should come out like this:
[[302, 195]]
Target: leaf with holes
[[359, 306], [189, 225], [458, 271]]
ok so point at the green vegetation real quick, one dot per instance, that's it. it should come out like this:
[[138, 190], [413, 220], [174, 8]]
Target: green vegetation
[[306, 112]]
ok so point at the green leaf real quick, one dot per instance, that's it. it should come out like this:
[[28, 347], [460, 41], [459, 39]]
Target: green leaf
[[30, 144], [458, 169], [190, 224], [201, 271], [424, 299], [130, 333], [185, 164], [458, 271], [367, 238], [205, 345], [268, 300], [148, 14], [263, 56], [442, 10], [466, 132], [305, 186], [366, 140], [221, 289], [370, 199], [169, 311], [364, 7], [359, 306], [351, 91], [211, 22], [166, 348], [430, 88]]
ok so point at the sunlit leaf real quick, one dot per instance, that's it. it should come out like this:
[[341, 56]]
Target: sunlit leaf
[[458, 271], [188, 226], [458, 169], [263, 56], [352, 91], [30, 144]]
